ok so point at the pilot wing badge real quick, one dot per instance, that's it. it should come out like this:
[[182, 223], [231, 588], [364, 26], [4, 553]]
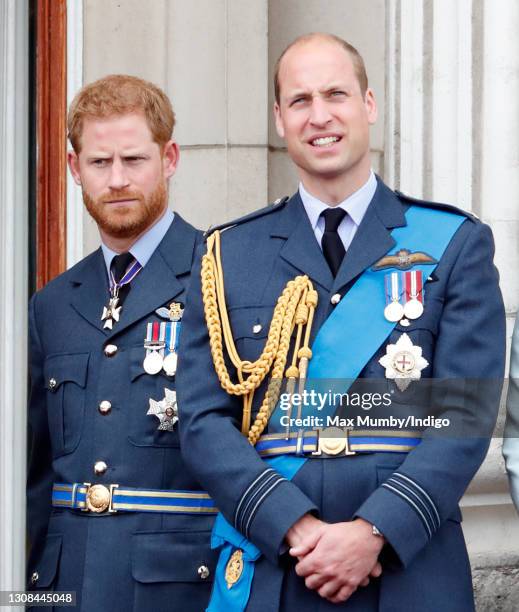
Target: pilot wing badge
[[403, 259]]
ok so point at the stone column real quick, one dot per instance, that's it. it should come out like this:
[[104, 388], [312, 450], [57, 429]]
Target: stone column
[[13, 280], [452, 128]]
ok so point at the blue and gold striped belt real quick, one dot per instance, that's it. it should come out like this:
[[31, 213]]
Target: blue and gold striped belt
[[113, 498], [337, 442]]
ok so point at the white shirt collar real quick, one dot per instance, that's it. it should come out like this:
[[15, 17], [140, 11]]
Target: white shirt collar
[[355, 205]]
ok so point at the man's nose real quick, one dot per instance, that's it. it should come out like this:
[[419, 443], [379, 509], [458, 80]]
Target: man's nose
[[118, 178], [319, 112]]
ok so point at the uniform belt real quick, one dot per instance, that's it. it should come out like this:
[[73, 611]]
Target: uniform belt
[[113, 498], [337, 442]]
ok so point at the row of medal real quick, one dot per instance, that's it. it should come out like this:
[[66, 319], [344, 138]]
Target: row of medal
[[161, 345], [404, 296], [403, 360]]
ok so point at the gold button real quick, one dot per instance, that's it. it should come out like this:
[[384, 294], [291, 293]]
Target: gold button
[[110, 350], [104, 407], [35, 577], [53, 383], [100, 467], [203, 572], [335, 299], [257, 328]]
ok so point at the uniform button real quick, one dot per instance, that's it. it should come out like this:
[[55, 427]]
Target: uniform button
[[35, 577], [203, 572], [100, 467], [104, 407], [257, 328], [53, 383], [335, 299], [110, 350]]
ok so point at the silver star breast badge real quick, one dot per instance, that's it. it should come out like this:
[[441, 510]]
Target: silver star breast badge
[[403, 362], [111, 313], [165, 410]]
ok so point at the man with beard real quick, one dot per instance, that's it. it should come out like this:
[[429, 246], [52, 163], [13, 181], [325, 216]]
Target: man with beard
[[345, 283], [113, 513]]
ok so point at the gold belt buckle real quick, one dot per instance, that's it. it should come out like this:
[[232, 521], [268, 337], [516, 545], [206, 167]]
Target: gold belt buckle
[[333, 441], [99, 498]]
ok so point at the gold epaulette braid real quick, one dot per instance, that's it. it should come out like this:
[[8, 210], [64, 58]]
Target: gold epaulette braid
[[295, 307]]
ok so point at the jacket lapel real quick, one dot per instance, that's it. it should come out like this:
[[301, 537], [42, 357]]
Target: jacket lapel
[[373, 238], [90, 289], [301, 249], [157, 283]]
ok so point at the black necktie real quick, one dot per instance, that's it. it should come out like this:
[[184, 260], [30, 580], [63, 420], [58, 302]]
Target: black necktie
[[333, 249], [118, 267]]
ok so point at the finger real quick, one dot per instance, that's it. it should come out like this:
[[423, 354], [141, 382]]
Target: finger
[[330, 588], [315, 581], [308, 565], [301, 550], [342, 595], [307, 545], [364, 582], [305, 567], [376, 571]]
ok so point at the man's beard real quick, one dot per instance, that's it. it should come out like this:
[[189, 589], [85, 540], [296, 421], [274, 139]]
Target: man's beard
[[126, 221]]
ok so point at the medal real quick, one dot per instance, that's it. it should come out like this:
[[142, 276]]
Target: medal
[[111, 313], [413, 308], [152, 363], [172, 338], [170, 364], [403, 362], [394, 310], [154, 345], [165, 410]]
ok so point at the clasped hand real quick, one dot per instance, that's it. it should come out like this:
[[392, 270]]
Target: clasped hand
[[335, 559]]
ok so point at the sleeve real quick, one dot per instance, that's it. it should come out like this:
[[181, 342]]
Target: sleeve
[[253, 497], [511, 435], [468, 364], [40, 474]]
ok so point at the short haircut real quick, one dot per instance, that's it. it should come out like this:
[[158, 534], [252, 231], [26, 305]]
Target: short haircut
[[356, 58], [118, 94]]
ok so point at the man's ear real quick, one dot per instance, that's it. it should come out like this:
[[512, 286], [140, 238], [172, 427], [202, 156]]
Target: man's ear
[[73, 164], [280, 128], [371, 106], [170, 158]]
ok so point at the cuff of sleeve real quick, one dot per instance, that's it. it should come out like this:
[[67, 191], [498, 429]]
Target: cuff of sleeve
[[268, 523], [402, 519]]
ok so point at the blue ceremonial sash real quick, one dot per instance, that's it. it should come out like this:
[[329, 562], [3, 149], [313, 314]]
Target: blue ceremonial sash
[[428, 230]]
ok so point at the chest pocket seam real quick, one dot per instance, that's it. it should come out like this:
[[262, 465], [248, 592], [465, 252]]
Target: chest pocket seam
[[65, 380]]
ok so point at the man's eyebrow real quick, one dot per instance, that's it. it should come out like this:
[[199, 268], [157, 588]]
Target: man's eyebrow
[[298, 94]]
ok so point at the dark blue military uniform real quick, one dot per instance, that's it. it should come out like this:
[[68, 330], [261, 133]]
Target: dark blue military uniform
[[90, 404], [461, 334]]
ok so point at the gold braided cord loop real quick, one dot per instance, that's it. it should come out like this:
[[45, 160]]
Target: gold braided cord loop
[[295, 307]]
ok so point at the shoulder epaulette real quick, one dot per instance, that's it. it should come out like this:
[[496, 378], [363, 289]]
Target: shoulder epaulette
[[249, 217], [448, 207]]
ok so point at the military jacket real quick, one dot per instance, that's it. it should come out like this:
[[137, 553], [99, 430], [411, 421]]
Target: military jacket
[[89, 403], [461, 334]]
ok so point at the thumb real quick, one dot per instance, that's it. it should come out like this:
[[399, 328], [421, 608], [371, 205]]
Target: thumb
[[307, 545]]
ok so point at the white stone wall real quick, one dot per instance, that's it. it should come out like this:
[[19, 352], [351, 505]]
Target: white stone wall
[[446, 77]]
